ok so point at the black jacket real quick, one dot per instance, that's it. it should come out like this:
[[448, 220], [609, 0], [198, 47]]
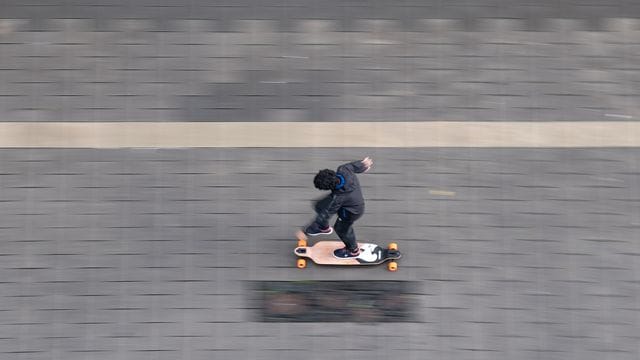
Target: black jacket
[[347, 195]]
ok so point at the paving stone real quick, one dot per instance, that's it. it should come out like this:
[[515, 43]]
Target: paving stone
[[521, 252], [193, 26], [197, 62], [622, 24]]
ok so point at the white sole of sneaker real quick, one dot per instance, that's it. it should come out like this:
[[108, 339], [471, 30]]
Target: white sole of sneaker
[[329, 233]]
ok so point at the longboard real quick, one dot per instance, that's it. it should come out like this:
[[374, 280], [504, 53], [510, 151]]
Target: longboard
[[322, 253]]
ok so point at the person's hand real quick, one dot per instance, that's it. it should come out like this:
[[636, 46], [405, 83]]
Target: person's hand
[[367, 162]]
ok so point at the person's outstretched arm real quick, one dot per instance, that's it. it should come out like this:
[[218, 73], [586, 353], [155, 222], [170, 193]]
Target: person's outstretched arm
[[359, 166]]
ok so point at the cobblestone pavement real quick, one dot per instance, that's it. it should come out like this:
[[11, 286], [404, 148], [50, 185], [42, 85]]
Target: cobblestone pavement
[[335, 61], [148, 254], [138, 254]]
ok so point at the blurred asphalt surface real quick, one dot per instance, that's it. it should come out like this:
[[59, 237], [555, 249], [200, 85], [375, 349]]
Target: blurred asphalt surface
[[146, 254]]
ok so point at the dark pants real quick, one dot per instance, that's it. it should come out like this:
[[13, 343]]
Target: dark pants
[[343, 225], [344, 228]]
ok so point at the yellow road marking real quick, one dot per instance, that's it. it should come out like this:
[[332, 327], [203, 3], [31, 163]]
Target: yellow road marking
[[319, 134]]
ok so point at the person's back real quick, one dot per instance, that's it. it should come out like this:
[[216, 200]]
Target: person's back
[[353, 200]]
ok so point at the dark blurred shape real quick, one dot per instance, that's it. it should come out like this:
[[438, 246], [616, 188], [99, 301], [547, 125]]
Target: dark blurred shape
[[335, 301]]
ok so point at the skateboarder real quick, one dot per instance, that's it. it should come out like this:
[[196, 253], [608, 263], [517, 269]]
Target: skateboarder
[[345, 200]]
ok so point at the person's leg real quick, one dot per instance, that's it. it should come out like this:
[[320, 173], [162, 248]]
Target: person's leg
[[344, 229], [316, 228], [321, 203]]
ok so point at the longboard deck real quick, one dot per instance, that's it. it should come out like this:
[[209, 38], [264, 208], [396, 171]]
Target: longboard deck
[[370, 254]]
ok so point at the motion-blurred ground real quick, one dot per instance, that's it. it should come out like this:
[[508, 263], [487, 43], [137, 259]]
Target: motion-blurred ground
[[322, 61], [148, 253]]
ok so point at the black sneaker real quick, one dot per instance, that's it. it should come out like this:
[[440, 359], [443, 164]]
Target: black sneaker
[[315, 232], [345, 253]]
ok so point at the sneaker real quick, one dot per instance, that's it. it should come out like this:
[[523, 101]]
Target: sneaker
[[315, 232], [345, 253]]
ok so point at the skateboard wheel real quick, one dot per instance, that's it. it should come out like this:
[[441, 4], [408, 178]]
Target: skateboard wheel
[[393, 266], [302, 242], [393, 246], [302, 263]]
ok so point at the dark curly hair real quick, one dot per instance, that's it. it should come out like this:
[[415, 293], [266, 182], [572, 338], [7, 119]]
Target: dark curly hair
[[325, 179]]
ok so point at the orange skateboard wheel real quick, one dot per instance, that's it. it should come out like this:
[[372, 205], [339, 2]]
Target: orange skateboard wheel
[[302, 238], [393, 246], [302, 263], [393, 266]]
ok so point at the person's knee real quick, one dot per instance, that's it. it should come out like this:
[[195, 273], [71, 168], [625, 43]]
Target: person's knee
[[342, 227], [321, 204]]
